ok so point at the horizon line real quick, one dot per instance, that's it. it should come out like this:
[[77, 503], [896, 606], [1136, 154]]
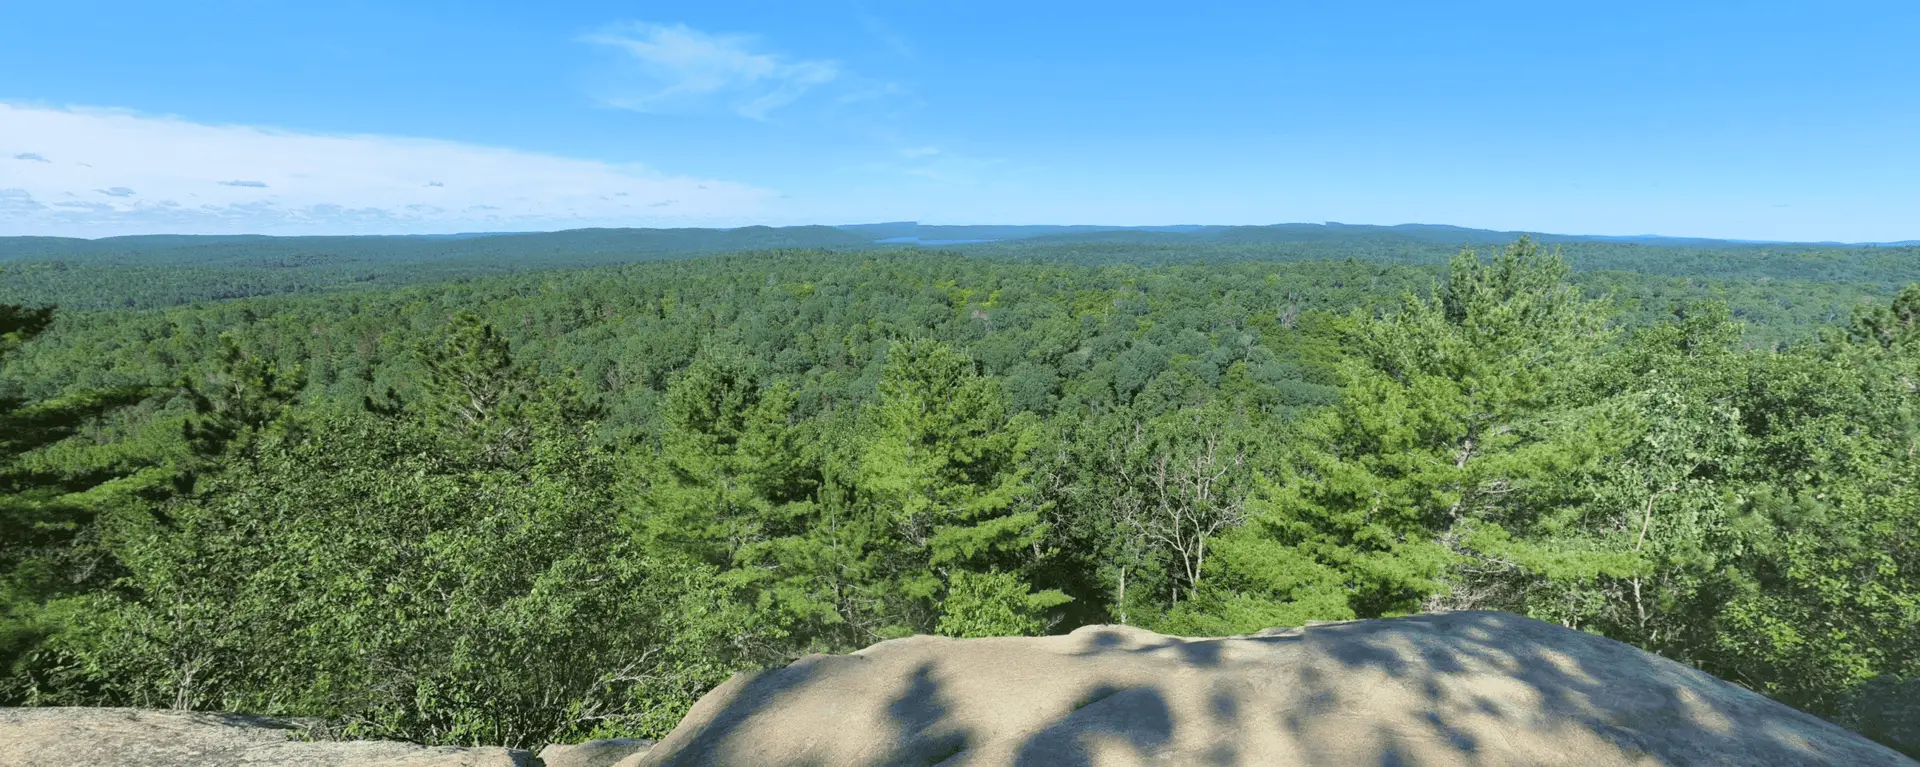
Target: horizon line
[[1164, 228]]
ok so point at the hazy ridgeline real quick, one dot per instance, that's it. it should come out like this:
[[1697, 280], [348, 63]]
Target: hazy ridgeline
[[512, 489]]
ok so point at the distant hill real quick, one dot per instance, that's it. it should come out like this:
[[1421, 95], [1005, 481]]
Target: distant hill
[[1438, 234], [576, 246], [583, 246]]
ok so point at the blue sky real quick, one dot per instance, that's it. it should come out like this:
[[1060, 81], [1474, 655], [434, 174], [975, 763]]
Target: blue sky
[[1754, 120]]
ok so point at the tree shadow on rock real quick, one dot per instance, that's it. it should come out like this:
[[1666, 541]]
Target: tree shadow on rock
[[1138, 717], [723, 714], [918, 714], [1203, 652], [1470, 677], [1466, 688]]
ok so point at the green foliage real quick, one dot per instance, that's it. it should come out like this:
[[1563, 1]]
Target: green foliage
[[378, 573], [942, 476], [242, 396], [1826, 590], [18, 324], [730, 465], [43, 509], [360, 573], [1895, 326], [1140, 501], [944, 463], [994, 604], [1783, 291], [1457, 418]]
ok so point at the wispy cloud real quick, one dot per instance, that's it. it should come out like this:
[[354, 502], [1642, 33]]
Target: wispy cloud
[[117, 172], [675, 68], [870, 91], [887, 35]]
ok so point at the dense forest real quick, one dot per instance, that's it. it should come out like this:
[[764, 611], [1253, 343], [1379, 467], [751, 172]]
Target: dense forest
[[1780, 291], [468, 500]]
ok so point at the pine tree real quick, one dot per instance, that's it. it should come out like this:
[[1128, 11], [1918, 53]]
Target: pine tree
[[943, 474], [42, 511], [478, 397], [473, 392], [728, 464], [238, 398], [1456, 416], [1894, 326]]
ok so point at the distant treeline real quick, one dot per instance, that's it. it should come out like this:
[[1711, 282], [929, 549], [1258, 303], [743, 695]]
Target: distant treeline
[[1766, 284]]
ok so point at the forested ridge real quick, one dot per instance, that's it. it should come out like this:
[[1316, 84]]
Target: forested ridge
[[1781, 290], [467, 505]]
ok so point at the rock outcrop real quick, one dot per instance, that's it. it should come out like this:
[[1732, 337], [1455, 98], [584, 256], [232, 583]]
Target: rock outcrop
[[1467, 688], [594, 753], [125, 737]]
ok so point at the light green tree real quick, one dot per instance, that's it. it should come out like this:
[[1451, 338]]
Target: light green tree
[[729, 463], [1457, 417], [941, 474]]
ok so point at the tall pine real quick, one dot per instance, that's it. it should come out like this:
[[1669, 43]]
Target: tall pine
[[943, 484], [1456, 419], [44, 511]]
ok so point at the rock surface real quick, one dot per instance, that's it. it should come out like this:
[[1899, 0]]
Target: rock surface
[[111, 737], [594, 753], [1467, 688]]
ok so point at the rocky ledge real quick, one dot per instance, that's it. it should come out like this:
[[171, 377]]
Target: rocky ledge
[[1465, 688], [129, 737]]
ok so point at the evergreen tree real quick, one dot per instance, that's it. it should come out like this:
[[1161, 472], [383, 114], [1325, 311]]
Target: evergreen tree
[[1893, 326], [234, 402], [473, 392], [44, 511], [1453, 424], [943, 476], [480, 398], [728, 463], [732, 485]]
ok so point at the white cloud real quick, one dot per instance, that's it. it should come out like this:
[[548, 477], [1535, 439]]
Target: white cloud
[[675, 68], [96, 172]]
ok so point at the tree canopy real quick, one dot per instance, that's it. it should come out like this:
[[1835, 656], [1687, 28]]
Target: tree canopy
[[563, 504]]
